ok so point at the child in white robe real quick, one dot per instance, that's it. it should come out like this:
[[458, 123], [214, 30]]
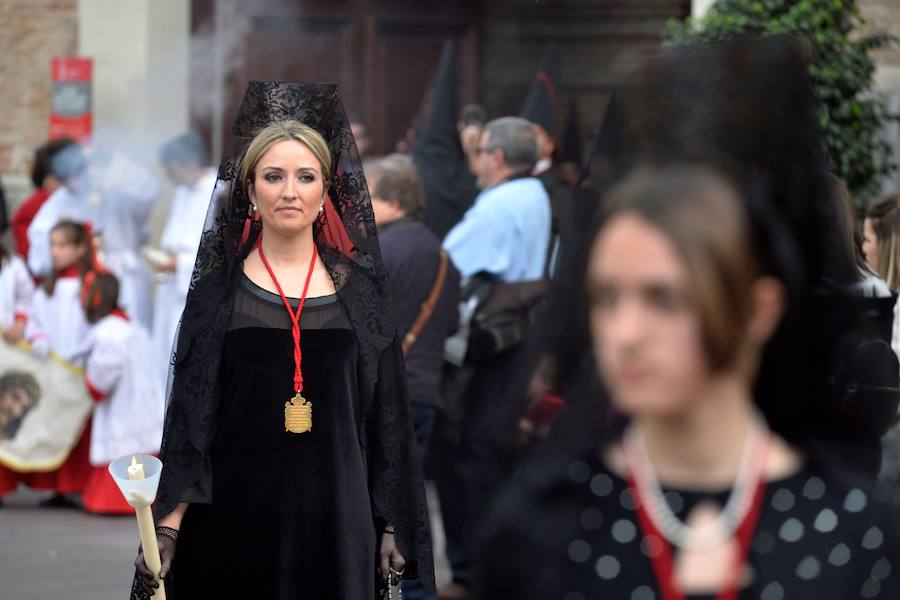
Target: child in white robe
[[16, 293], [184, 159], [128, 414], [56, 323], [117, 196]]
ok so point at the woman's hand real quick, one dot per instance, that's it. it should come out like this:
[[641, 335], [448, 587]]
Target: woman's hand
[[166, 554], [390, 556]]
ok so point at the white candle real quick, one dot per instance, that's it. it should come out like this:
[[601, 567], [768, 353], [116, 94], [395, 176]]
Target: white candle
[[136, 469]]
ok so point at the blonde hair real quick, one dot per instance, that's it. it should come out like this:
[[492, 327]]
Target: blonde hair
[[885, 220], [276, 132]]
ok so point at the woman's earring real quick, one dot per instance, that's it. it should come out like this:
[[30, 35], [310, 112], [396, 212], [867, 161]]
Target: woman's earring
[[253, 206], [321, 207]]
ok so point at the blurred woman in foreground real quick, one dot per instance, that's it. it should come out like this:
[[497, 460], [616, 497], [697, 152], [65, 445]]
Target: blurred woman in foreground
[[727, 328], [697, 497]]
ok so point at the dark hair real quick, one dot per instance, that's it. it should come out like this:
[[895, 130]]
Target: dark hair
[[185, 148], [849, 230], [395, 177], [472, 114], [22, 380], [682, 201], [43, 159], [77, 233], [99, 295]]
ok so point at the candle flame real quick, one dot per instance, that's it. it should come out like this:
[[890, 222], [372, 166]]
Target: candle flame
[[133, 460]]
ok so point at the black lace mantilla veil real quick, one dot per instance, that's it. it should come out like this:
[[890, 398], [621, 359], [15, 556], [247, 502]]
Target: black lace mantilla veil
[[347, 241]]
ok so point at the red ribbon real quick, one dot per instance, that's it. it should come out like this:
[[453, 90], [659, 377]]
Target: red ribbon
[[295, 317], [664, 562]]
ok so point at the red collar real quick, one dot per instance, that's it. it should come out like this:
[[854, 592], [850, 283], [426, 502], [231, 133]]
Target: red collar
[[70, 271], [118, 312]]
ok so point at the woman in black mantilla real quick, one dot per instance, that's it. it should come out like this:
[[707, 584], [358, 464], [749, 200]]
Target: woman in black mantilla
[[289, 465], [719, 298]]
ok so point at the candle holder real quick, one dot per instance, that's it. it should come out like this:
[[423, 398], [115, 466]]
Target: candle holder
[[138, 486]]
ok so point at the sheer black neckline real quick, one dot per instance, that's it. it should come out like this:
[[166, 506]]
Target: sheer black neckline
[[264, 294]]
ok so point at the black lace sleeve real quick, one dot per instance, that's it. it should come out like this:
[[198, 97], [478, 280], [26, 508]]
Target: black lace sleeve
[[395, 478]]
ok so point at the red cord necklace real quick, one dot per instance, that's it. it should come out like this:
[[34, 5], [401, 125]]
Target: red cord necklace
[[663, 561], [297, 410]]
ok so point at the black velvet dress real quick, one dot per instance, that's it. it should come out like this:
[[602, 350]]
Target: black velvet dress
[[291, 515]]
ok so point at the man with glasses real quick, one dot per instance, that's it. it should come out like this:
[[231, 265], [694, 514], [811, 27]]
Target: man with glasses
[[502, 239], [506, 233]]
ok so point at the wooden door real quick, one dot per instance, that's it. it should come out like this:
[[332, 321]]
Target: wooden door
[[382, 54]]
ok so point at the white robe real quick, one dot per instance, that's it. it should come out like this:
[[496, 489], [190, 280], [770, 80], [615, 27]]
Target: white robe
[[59, 322], [118, 206], [16, 291], [128, 418], [180, 237]]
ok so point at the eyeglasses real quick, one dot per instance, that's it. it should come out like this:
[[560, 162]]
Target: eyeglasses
[[480, 151]]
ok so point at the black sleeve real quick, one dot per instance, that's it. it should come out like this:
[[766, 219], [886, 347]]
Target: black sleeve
[[395, 478], [521, 550], [4, 215]]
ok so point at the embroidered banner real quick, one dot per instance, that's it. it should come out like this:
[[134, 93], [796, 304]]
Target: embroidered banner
[[44, 405]]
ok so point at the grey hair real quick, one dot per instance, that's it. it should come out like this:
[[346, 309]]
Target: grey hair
[[516, 137], [395, 177]]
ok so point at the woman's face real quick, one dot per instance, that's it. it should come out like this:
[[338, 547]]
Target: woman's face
[[647, 333], [63, 252], [870, 245], [288, 188]]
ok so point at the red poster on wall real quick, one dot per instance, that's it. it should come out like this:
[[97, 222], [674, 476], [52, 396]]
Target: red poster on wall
[[70, 113]]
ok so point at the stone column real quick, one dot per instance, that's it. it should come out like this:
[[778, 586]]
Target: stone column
[[141, 53], [699, 7], [884, 16]]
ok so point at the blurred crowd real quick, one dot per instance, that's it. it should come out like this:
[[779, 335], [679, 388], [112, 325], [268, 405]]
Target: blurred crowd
[[499, 230]]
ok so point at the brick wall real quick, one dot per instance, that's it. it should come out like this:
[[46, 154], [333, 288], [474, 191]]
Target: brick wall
[[31, 33]]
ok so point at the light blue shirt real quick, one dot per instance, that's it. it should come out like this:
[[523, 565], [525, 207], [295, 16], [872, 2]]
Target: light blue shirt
[[506, 232]]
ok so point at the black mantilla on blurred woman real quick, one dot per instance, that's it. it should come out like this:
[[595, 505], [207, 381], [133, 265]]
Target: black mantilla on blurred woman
[[290, 465], [707, 284]]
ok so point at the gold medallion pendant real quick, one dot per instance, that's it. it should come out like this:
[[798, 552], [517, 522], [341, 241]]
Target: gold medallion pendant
[[297, 415]]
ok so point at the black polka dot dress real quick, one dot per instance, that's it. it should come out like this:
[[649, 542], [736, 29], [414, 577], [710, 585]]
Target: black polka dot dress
[[576, 536]]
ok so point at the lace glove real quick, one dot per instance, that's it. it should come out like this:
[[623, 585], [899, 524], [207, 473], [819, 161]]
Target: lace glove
[[166, 539]]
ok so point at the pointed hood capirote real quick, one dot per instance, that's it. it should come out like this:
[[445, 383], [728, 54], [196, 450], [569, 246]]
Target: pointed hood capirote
[[746, 107], [449, 185], [542, 101], [570, 148], [347, 242]]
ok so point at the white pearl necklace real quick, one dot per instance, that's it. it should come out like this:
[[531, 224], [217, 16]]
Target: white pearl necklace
[[712, 535]]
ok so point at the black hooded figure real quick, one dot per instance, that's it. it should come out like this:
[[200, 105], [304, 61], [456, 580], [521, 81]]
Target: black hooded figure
[[275, 511], [581, 521], [4, 213], [570, 166], [449, 185], [541, 107]]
